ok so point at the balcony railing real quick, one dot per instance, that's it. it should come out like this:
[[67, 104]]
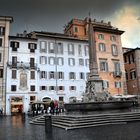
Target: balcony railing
[[22, 65], [117, 73]]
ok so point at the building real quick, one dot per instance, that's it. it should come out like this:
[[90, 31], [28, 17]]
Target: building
[[45, 66], [4, 40], [132, 69], [22, 70], [109, 51]]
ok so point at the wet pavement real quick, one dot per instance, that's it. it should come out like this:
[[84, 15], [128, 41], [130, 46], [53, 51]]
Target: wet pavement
[[18, 128]]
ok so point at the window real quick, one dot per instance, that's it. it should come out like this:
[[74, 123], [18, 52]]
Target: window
[[100, 36], [32, 62], [87, 62], [14, 74], [43, 47], [132, 74], [81, 62], [105, 84], [75, 29], [81, 75], [51, 75], [86, 50], [43, 88], [59, 48], [113, 38], [102, 47], [117, 67], [71, 61], [72, 75], [0, 57], [114, 50], [131, 58], [1, 73], [103, 65], [32, 88], [60, 61], [51, 60], [0, 42], [51, 47], [61, 88], [60, 75], [72, 87], [71, 49], [117, 84], [43, 60], [125, 59], [126, 75], [14, 45], [32, 47], [14, 61], [61, 99], [2, 30], [79, 50], [43, 75], [32, 98], [32, 74], [52, 88], [13, 87]]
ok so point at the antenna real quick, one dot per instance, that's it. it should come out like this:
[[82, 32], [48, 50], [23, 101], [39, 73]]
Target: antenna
[[89, 14]]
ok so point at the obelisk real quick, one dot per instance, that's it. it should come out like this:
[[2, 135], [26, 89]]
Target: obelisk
[[94, 80]]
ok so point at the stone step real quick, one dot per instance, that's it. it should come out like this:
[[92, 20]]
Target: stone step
[[86, 126], [95, 120], [73, 122]]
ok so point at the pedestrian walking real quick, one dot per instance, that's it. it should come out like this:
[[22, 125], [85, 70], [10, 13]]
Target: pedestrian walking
[[52, 107]]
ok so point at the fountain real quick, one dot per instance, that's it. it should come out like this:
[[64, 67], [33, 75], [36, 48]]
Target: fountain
[[95, 96]]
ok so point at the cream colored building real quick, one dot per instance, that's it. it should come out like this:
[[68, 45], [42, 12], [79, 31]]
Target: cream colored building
[[4, 41]]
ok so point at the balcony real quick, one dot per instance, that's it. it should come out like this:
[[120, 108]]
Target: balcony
[[117, 73], [22, 65]]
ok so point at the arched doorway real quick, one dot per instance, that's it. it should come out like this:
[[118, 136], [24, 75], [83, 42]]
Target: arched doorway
[[46, 99]]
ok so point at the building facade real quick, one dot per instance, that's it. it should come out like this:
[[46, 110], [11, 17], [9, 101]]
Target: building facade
[[132, 69], [47, 66], [109, 51], [44, 66], [21, 86], [4, 40]]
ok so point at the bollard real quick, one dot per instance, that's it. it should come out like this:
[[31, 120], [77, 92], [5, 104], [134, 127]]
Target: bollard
[[48, 124]]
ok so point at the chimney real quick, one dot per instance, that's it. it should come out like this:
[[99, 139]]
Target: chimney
[[109, 23]]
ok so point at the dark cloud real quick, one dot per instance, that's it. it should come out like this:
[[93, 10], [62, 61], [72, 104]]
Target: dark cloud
[[51, 15]]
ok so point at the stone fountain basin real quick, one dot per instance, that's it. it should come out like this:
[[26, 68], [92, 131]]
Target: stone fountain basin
[[105, 105]]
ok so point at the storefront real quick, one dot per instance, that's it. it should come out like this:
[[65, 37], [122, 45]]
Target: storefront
[[17, 104]]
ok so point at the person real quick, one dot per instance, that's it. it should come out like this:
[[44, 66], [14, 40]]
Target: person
[[52, 107], [56, 106], [1, 111]]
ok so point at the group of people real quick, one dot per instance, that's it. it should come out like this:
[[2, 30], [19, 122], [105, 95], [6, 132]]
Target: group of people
[[55, 107]]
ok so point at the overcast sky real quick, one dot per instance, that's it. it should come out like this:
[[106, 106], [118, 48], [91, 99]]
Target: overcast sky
[[52, 15]]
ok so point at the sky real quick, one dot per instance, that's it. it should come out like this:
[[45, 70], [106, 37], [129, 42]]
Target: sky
[[53, 15]]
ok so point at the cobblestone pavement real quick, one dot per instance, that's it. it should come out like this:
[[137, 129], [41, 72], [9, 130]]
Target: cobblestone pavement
[[18, 128]]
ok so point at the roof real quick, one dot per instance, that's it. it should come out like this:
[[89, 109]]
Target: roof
[[56, 35], [131, 50], [22, 38], [7, 18], [98, 25]]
